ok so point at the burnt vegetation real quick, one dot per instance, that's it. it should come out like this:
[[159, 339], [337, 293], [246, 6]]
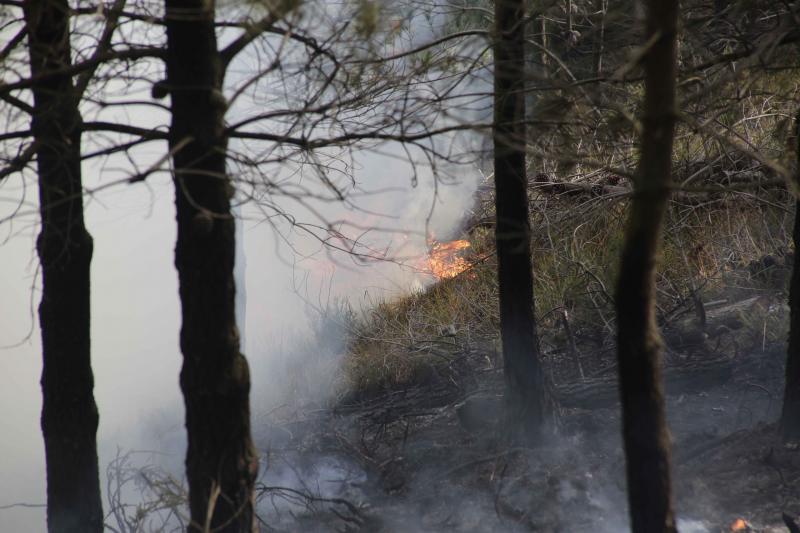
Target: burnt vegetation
[[600, 346]]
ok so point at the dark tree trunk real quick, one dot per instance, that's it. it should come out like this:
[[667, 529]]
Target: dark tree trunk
[[524, 382], [69, 413], [639, 349], [221, 462], [790, 417]]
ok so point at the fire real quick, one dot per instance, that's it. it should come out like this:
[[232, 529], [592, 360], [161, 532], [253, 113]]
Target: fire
[[740, 524], [445, 259]]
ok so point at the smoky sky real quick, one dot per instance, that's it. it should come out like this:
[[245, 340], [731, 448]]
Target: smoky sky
[[135, 306]]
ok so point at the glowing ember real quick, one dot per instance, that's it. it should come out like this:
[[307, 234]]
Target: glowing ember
[[444, 259], [740, 524]]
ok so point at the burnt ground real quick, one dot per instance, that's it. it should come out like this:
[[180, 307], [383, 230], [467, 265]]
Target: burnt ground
[[430, 457]]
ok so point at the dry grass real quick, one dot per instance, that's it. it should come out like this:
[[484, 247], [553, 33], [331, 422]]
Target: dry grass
[[143, 497], [714, 251], [408, 340], [715, 247]]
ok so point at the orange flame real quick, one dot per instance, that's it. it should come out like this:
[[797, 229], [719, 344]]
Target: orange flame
[[740, 524], [444, 259]]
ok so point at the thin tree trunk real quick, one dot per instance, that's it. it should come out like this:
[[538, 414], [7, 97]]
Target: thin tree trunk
[[544, 40], [569, 18], [790, 416], [599, 39], [221, 462], [69, 413], [639, 349], [524, 380]]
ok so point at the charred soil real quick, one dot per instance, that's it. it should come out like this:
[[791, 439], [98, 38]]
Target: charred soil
[[430, 456]]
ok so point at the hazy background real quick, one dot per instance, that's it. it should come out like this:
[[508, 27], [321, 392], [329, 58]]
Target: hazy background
[[136, 312], [135, 305]]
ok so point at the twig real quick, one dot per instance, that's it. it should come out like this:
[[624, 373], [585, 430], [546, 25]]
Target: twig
[[573, 348], [483, 460]]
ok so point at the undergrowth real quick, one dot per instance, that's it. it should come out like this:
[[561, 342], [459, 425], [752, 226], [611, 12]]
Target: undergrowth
[[723, 251]]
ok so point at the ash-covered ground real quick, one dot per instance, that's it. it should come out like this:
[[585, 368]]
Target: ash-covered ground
[[431, 457]]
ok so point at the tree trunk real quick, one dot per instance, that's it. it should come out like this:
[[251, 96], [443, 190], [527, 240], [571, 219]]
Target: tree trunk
[[790, 417], [639, 345], [69, 413], [599, 38], [221, 462], [524, 380]]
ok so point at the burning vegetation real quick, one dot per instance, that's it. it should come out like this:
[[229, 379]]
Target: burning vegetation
[[422, 438], [447, 259], [740, 524], [425, 374]]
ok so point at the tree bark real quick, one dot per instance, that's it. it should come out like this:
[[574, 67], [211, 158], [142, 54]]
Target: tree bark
[[221, 461], [69, 413], [639, 345], [524, 380], [790, 415]]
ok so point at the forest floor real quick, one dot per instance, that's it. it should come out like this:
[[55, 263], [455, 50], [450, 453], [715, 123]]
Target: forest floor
[[429, 457]]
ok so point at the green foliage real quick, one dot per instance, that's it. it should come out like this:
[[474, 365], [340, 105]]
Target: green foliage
[[474, 14], [367, 17]]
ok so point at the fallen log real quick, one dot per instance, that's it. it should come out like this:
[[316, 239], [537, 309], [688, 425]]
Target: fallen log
[[696, 375], [693, 332], [697, 196]]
